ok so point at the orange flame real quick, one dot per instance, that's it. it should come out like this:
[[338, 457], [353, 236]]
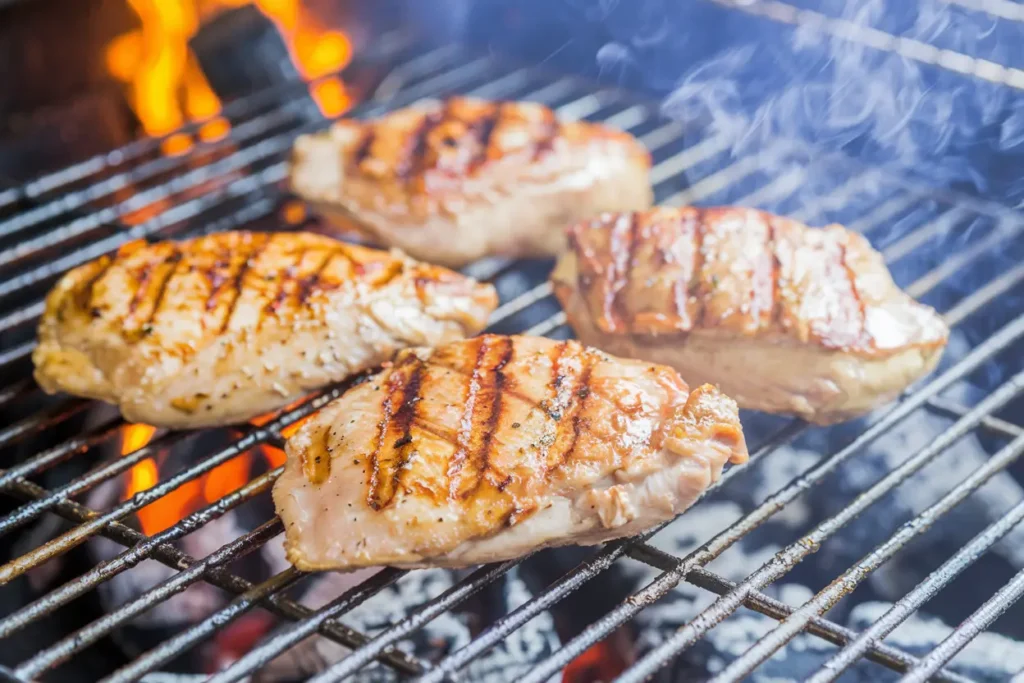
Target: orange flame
[[167, 87], [187, 498], [135, 437]]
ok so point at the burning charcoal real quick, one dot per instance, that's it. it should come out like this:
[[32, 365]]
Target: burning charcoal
[[445, 634], [241, 52]]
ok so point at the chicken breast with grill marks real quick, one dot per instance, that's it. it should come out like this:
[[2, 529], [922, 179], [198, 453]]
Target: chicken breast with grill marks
[[451, 182], [783, 317], [220, 329], [488, 448]]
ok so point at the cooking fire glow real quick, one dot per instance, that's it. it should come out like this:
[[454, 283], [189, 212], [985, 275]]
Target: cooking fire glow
[[167, 87]]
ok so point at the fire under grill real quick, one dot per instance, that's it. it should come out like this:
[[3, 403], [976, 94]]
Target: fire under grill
[[950, 251]]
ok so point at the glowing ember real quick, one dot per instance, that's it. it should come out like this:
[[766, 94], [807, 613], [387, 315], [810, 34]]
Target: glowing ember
[[167, 87]]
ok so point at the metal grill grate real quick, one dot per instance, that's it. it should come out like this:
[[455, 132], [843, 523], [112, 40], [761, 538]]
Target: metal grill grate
[[70, 217]]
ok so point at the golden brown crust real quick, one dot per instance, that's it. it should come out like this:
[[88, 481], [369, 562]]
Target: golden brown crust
[[742, 272], [496, 434], [228, 280], [431, 150], [265, 317]]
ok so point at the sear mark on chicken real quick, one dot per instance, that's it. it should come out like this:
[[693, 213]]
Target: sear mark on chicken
[[451, 182], [785, 318], [488, 448], [221, 329]]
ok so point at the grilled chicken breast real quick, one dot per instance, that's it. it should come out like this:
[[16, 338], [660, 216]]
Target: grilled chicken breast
[[488, 448], [450, 182], [783, 317], [220, 329]]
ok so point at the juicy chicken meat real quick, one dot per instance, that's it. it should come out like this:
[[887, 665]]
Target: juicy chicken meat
[[220, 329], [451, 182], [783, 317], [488, 448]]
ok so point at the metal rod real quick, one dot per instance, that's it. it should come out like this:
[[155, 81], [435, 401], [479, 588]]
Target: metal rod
[[994, 424], [968, 630], [134, 555], [263, 653], [785, 560], [921, 594], [58, 454], [171, 648], [81, 533], [75, 642], [886, 655], [850, 579], [42, 420], [452, 597], [775, 503], [280, 605], [94, 477], [586, 570]]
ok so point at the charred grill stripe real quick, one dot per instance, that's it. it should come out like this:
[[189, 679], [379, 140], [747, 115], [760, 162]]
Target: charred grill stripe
[[380, 476], [546, 140], [260, 242], [851, 275], [776, 299], [216, 276], [142, 285], [621, 309], [403, 420], [288, 276], [697, 286], [466, 420], [89, 285], [556, 406], [582, 391], [618, 270], [365, 145], [413, 158], [490, 425], [509, 391], [484, 130], [174, 260], [309, 283], [680, 287]]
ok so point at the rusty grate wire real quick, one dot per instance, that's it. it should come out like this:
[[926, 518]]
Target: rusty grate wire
[[67, 218]]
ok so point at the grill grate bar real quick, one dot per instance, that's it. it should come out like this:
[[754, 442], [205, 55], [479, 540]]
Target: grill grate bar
[[442, 603], [994, 424], [921, 594], [266, 651], [586, 571], [94, 477], [41, 421], [788, 558], [167, 650], [79, 534], [851, 578], [61, 453], [968, 630], [887, 655], [241, 133], [388, 46], [726, 538], [69, 646], [969, 304], [132, 557], [174, 558]]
